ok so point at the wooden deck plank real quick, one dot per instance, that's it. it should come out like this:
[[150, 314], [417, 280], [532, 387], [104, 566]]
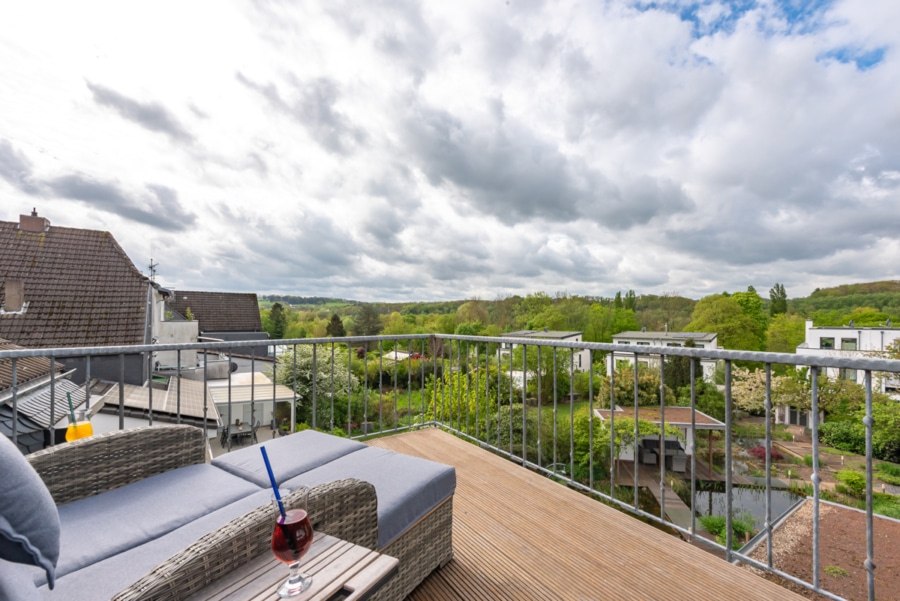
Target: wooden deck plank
[[519, 535]]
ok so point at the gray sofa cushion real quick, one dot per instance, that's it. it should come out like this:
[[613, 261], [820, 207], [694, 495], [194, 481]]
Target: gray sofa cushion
[[289, 455], [29, 522], [102, 580], [16, 582], [407, 487], [98, 527]]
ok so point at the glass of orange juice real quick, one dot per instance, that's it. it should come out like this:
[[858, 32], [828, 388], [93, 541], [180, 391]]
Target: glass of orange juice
[[82, 427]]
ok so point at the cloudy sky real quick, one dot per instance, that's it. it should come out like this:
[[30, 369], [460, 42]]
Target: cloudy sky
[[402, 150]]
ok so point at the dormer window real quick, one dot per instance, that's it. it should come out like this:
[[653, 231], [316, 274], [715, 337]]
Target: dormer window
[[14, 296]]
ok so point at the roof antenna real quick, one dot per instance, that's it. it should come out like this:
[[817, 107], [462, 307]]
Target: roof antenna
[[34, 212], [153, 267]]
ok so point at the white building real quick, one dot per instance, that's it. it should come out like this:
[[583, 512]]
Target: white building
[[851, 341], [582, 357], [702, 340]]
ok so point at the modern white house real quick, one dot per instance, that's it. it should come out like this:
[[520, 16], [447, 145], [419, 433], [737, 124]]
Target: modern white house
[[704, 340], [582, 357], [845, 341]]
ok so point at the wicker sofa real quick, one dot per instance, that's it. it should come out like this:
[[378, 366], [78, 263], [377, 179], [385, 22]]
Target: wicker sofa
[[144, 516]]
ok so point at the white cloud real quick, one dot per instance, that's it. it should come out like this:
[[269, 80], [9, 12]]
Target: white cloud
[[412, 150]]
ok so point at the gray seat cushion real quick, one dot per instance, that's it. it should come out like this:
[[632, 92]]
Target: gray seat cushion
[[98, 527], [289, 455], [29, 522], [102, 580], [17, 582], [407, 487]]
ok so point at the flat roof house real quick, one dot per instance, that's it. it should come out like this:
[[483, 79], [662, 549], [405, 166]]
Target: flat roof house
[[703, 340]]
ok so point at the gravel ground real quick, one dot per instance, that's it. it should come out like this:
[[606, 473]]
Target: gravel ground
[[842, 552]]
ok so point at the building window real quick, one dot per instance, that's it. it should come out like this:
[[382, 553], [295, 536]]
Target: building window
[[826, 342], [643, 344], [848, 344], [798, 418], [848, 374], [624, 342], [673, 344]]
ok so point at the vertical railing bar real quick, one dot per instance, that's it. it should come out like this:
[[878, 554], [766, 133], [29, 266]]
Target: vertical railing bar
[[510, 403], [662, 438], [539, 407], [729, 528], [591, 418], [555, 414], [768, 406], [381, 386], [349, 387], [206, 392], [422, 379], [868, 421], [333, 391], [499, 400], [122, 391], [487, 388], [315, 386], [477, 412], [396, 395], [814, 374], [87, 383], [613, 457], [15, 401], [252, 391], [294, 389], [178, 391], [150, 387], [634, 442], [230, 413], [409, 381], [693, 367], [572, 414], [458, 388], [525, 404]]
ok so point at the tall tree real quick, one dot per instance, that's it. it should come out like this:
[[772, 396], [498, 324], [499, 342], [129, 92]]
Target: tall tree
[[777, 300], [617, 303], [630, 300], [720, 313], [278, 319], [335, 327], [368, 322]]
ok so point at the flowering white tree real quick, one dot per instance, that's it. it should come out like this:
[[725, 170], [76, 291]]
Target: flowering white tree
[[323, 370]]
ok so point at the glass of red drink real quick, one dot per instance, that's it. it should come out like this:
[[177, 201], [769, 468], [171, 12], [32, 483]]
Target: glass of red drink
[[291, 539]]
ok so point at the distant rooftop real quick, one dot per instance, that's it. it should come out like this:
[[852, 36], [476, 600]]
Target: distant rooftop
[[219, 311], [640, 335], [544, 334], [64, 287]]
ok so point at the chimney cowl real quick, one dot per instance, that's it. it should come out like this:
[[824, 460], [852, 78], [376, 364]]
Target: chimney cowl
[[33, 223]]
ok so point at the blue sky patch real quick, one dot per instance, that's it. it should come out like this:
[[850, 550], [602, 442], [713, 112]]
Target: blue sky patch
[[800, 16], [863, 59]]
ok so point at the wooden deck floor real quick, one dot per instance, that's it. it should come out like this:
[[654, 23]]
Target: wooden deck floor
[[518, 535]]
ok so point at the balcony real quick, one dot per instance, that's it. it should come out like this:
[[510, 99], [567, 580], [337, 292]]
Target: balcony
[[527, 522]]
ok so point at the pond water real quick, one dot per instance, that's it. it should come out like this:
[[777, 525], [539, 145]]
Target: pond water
[[746, 502]]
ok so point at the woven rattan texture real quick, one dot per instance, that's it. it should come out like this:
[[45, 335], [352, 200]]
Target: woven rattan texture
[[90, 466]]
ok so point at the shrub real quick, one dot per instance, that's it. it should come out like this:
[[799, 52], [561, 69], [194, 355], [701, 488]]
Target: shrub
[[889, 473], [759, 452], [853, 480], [846, 436]]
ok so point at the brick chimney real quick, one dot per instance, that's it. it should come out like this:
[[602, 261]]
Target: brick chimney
[[33, 223]]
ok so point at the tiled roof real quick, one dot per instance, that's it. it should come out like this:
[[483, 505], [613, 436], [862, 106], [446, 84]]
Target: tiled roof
[[674, 416], [219, 311], [27, 368], [546, 334], [80, 287]]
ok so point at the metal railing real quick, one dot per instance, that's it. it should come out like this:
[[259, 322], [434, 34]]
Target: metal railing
[[494, 391]]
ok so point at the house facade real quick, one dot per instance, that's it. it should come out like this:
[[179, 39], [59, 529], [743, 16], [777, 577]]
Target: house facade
[[581, 358], [848, 342], [66, 287], [704, 340]]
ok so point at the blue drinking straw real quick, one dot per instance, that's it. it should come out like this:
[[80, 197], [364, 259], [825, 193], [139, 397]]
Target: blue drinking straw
[[272, 480]]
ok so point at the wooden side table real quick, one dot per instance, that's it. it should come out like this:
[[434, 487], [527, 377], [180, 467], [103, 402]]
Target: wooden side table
[[340, 570]]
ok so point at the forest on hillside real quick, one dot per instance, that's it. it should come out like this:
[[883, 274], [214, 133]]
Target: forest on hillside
[[746, 319]]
